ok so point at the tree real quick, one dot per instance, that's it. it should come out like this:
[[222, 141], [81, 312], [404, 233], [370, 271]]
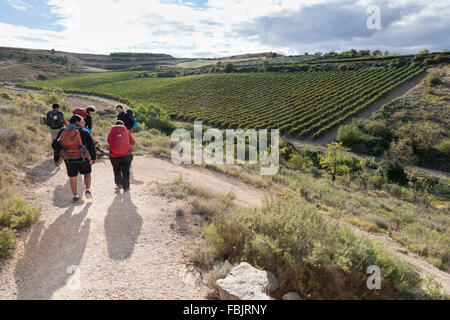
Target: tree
[[229, 67], [334, 159], [265, 65], [424, 51], [349, 134], [364, 53], [400, 151], [377, 53], [422, 186]]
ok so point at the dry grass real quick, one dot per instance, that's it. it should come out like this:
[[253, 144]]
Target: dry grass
[[23, 141]]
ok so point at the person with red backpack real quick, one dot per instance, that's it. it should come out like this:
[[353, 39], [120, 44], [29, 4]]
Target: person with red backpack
[[76, 147], [120, 141], [81, 112]]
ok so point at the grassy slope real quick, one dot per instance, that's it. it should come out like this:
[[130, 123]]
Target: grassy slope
[[414, 129], [23, 142]]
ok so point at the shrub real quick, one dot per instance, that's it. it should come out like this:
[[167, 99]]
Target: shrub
[[42, 77], [307, 252], [377, 181], [349, 134], [154, 117], [434, 79], [7, 242], [17, 213], [200, 254], [394, 173], [395, 190], [316, 172], [5, 95], [220, 271]]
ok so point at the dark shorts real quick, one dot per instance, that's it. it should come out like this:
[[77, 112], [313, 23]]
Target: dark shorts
[[75, 167]]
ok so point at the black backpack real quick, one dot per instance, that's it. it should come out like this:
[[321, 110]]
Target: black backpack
[[130, 114], [54, 119]]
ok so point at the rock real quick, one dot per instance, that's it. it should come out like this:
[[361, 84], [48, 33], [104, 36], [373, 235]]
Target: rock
[[292, 296], [247, 283]]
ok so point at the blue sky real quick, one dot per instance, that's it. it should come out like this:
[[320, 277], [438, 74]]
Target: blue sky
[[214, 28], [31, 14]]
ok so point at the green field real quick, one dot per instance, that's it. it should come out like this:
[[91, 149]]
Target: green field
[[298, 103]]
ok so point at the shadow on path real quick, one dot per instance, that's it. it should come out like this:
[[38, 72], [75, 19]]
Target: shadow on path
[[50, 253], [62, 194], [42, 172], [122, 227]]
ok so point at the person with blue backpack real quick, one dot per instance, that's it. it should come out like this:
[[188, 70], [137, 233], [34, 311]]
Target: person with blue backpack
[[127, 117]]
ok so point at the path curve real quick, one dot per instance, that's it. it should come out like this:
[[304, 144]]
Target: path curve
[[118, 246]]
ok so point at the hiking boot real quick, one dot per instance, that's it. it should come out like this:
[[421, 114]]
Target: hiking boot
[[88, 194], [117, 189], [126, 190], [76, 198]]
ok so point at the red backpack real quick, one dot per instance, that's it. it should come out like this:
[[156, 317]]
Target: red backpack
[[72, 145], [119, 141], [81, 112]]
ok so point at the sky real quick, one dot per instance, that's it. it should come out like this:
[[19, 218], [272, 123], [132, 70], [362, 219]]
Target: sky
[[219, 28]]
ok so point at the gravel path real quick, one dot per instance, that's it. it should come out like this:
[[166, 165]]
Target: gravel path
[[115, 247]]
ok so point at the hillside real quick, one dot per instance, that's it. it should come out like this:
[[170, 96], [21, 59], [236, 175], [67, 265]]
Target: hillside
[[413, 129], [298, 103], [18, 64]]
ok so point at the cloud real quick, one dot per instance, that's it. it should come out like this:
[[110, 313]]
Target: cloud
[[220, 28], [405, 26], [18, 4]]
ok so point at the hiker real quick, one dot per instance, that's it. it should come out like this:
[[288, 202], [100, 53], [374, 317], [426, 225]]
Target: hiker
[[55, 120], [120, 141], [76, 146], [89, 111], [88, 124], [126, 117]]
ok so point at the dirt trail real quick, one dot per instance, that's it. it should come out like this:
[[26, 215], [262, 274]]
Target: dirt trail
[[121, 246]]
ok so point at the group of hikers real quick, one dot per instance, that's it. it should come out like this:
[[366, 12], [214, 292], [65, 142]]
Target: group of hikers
[[73, 142]]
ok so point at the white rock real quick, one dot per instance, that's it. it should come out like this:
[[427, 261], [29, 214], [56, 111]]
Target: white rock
[[292, 296], [247, 283]]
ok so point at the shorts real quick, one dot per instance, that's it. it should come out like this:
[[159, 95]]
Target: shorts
[[78, 166]]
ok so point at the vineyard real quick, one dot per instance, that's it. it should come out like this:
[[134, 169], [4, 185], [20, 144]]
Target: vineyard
[[298, 103]]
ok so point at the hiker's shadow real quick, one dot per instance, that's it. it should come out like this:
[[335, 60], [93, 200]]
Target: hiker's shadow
[[50, 256], [42, 172], [62, 195], [132, 179], [122, 227]]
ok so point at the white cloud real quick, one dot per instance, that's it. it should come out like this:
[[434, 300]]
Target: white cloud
[[104, 26], [17, 4]]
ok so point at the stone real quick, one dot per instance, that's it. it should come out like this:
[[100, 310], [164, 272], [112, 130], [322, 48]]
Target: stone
[[292, 296], [245, 282]]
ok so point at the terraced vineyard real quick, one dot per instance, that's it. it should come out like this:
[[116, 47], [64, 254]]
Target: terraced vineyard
[[298, 103]]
